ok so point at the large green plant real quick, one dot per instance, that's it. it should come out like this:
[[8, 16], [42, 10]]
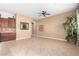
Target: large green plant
[[71, 28]]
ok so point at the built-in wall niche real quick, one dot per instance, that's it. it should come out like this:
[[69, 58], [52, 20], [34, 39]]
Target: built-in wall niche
[[24, 26], [41, 28]]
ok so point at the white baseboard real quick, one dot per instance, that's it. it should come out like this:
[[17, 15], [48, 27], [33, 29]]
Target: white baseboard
[[22, 38], [50, 38]]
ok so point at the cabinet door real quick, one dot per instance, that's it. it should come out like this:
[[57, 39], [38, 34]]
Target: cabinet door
[[12, 23], [0, 37], [8, 36], [0, 23], [4, 23]]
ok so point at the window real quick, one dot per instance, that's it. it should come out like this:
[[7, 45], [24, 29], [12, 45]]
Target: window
[[24, 26]]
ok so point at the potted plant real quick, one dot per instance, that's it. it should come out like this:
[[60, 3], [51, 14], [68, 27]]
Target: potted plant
[[71, 29]]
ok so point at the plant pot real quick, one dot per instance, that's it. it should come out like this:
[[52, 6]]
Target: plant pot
[[72, 41]]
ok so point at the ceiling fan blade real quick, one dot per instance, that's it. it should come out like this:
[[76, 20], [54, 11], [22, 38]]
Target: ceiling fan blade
[[40, 15], [44, 15], [48, 14]]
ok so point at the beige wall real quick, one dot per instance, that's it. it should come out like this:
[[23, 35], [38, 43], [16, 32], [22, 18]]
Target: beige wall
[[77, 13], [53, 26], [23, 34]]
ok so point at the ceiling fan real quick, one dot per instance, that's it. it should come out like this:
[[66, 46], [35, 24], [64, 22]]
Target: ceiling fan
[[44, 13]]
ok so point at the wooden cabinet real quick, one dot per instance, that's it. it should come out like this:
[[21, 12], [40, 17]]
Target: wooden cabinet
[[7, 23], [0, 23], [4, 23], [0, 37], [7, 36], [12, 23]]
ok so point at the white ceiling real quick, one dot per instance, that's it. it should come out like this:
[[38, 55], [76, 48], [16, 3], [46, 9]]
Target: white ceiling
[[32, 9]]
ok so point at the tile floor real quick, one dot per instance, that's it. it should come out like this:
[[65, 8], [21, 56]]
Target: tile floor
[[38, 47]]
